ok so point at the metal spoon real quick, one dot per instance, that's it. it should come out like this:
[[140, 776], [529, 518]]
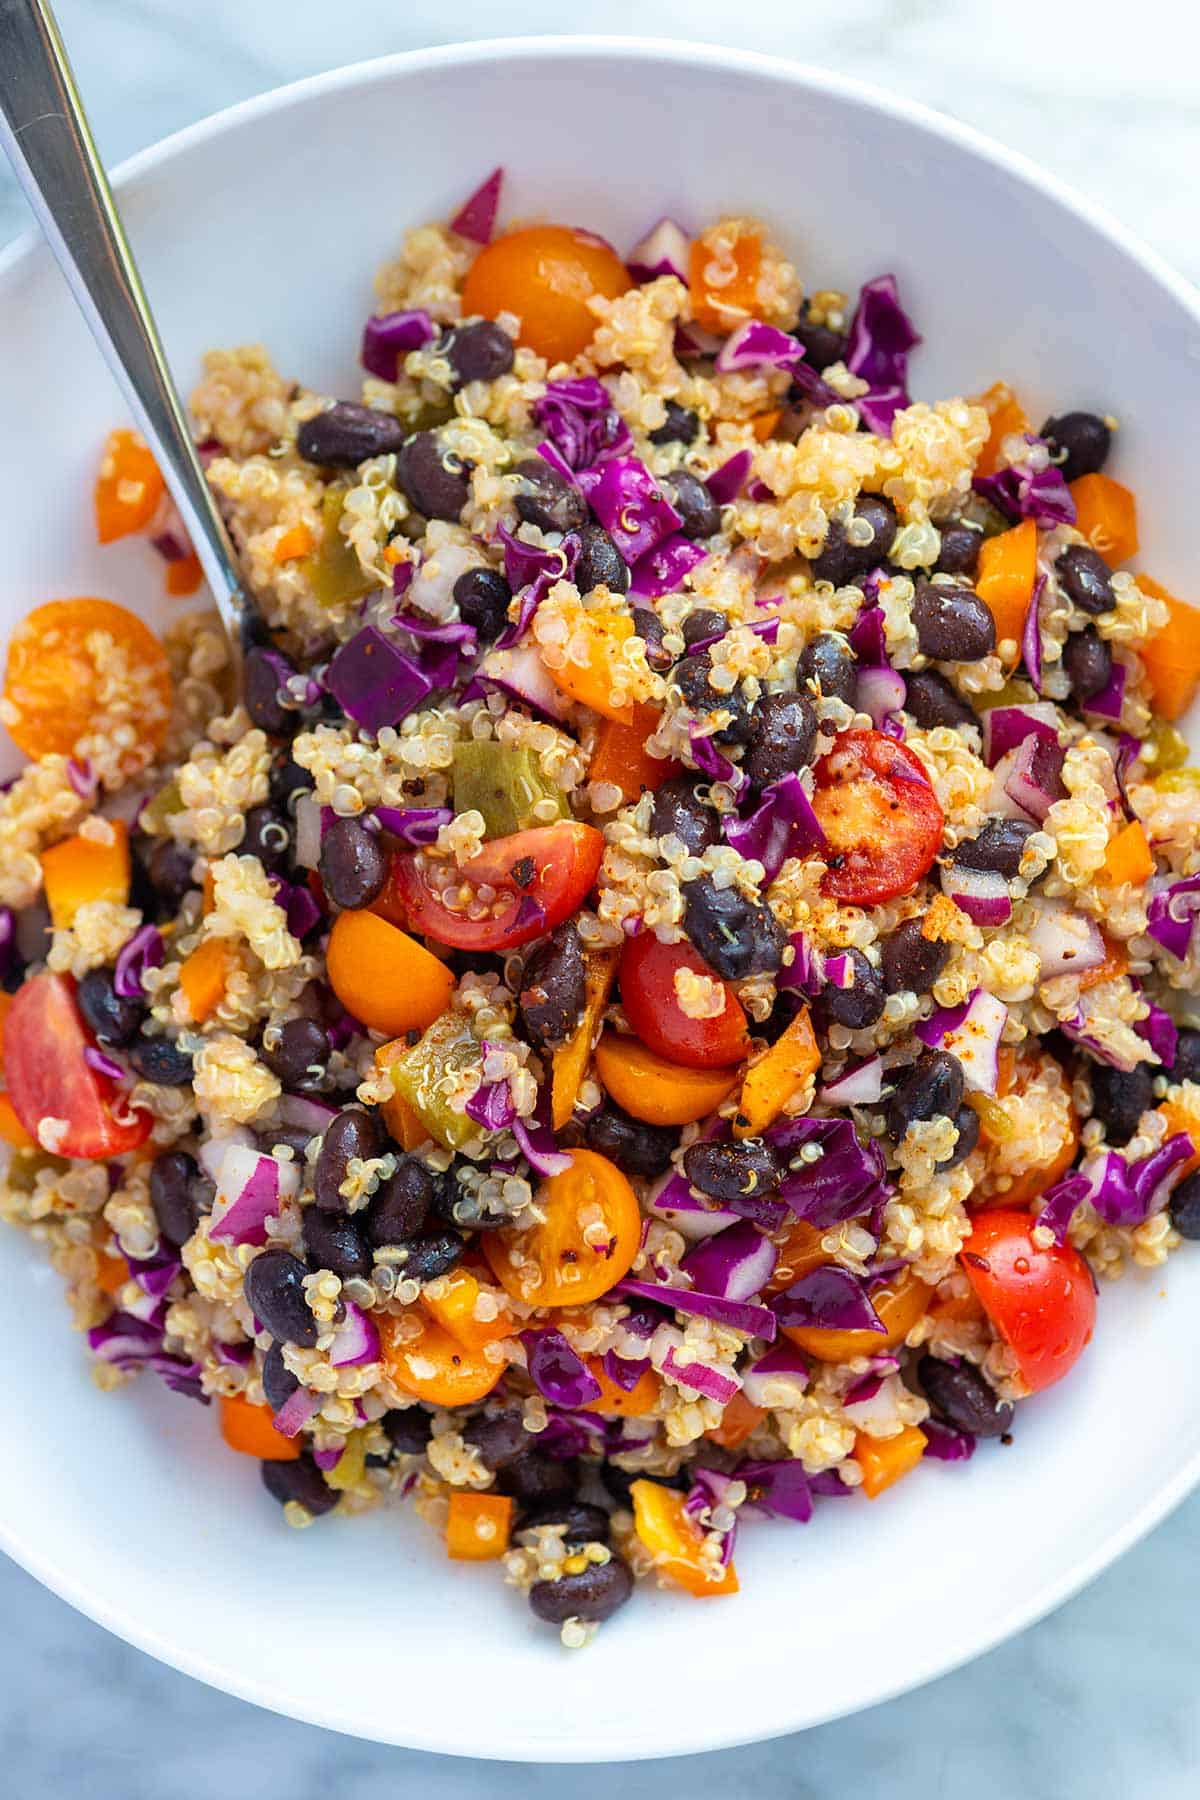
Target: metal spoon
[[45, 131]]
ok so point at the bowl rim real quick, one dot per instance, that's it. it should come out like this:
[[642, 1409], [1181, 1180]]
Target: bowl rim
[[883, 1684]]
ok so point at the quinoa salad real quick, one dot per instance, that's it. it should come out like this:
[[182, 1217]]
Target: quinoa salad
[[651, 998]]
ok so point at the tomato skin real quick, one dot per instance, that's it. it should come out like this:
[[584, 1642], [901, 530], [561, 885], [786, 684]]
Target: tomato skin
[[647, 980], [546, 275], [565, 861], [1042, 1302], [47, 1077], [881, 816]]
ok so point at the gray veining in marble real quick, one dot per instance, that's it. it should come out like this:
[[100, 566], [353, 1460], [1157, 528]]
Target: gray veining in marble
[[1099, 1702]]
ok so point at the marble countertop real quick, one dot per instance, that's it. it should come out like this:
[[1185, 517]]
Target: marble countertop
[[1098, 1701]]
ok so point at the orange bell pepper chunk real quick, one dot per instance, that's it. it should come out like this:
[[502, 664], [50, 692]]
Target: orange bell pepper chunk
[[765, 424], [292, 544], [738, 1422], [478, 1526], [884, 1460], [82, 869], [594, 681], [1180, 1118], [249, 1429], [400, 1118], [618, 1402], [204, 975], [128, 488], [958, 1309], [659, 1092], [112, 1272], [1128, 858], [1172, 656], [675, 1542], [184, 576], [900, 1303], [1005, 416], [724, 281], [1005, 581], [383, 976], [450, 1300], [770, 1083], [1116, 962], [621, 758], [1106, 514], [570, 1061], [800, 1251]]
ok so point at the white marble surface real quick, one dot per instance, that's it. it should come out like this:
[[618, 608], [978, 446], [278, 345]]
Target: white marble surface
[[1099, 1701]]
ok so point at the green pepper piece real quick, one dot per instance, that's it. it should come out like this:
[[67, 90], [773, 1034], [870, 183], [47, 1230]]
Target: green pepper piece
[[167, 801], [447, 1048], [505, 783], [334, 572]]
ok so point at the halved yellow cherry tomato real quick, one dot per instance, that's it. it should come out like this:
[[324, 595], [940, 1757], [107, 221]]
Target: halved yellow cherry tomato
[[585, 1245]]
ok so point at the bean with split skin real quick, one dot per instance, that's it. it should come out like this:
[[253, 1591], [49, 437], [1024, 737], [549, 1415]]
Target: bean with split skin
[[547, 499], [595, 1593], [479, 351], [274, 1287], [862, 1002], [1081, 439], [401, 1204], [910, 961], [931, 701], [267, 835], [828, 665], [336, 1241], [301, 1481], [998, 848], [679, 811], [637, 1148], [952, 623], [354, 1134], [599, 563], [430, 1254], [353, 865], [931, 1088], [432, 478], [1088, 662], [345, 435], [552, 988], [732, 1171], [1086, 579], [783, 733], [958, 1393]]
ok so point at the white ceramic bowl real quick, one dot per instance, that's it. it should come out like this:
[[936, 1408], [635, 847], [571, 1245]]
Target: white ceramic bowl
[[266, 223]]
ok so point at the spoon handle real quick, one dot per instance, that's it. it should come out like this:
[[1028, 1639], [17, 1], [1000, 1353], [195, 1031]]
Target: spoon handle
[[45, 131]]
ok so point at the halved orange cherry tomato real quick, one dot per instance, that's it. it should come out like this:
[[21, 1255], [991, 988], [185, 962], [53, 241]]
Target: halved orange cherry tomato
[[900, 1303], [724, 269], [540, 876], [49, 1078], [884, 1460], [660, 1092], [431, 1364], [585, 1244], [651, 1004], [880, 815], [128, 488], [546, 274], [56, 675], [1042, 1302], [249, 1429], [675, 1542], [740, 1420], [800, 1252]]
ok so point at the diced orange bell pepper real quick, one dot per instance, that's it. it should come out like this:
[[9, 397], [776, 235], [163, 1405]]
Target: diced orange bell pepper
[[184, 576], [295, 542], [800, 1251], [204, 975], [618, 1402], [451, 1301], [249, 1429], [772, 1081], [675, 1542], [81, 869], [593, 682], [957, 1309], [1172, 655], [478, 1526], [654, 1090], [11, 1129], [1128, 859], [1005, 581], [1116, 962], [400, 1118], [621, 758], [884, 1460], [1106, 514], [739, 1421], [1005, 416], [128, 488], [1180, 1118], [766, 424], [112, 1272], [571, 1059], [724, 277]]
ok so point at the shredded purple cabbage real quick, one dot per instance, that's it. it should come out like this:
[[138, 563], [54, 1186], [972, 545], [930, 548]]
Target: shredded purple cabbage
[[946, 1443], [630, 504], [709, 760], [777, 1490], [725, 483], [582, 423], [755, 1321], [144, 950], [415, 825], [880, 338], [389, 336], [556, 1371], [476, 218], [374, 683], [828, 1298], [845, 1180], [663, 569], [783, 825], [1023, 492], [758, 346], [1172, 915]]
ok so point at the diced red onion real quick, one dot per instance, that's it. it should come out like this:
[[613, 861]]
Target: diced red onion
[[211, 1153], [859, 1086], [755, 345], [862, 1390], [838, 970], [476, 218], [307, 850], [879, 691], [431, 588], [523, 674], [673, 1201], [972, 1033], [1161, 1033], [356, 1339], [302, 1113], [250, 1189], [1035, 779], [81, 778], [1108, 702], [1031, 634], [389, 336], [665, 250], [981, 893], [1172, 915], [1066, 942], [779, 1378], [536, 1139], [1005, 727], [700, 1378], [144, 950], [736, 1264], [295, 1412], [329, 1459]]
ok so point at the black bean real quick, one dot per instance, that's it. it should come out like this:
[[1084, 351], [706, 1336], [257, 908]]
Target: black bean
[[681, 426], [267, 835], [480, 351], [828, 665], [430, 1254], [959, 552], [433, 479], [844, 563], [345, 435], [456, 1203], [301, 1481], [998, 847], [822, 344], [293, 1137], [279, 1384], [585, 1524], [482, 597], [599, 563], [649, 628], [678, 811], [1186, 1066], [286, 780], [1119, 1099], [931, 701], [704, 622], [113, 1018], [400, 1205], [174, 1195], [636, 1148], [966, 1123], [538, 1479], [783, 732], [952, 623], [1088, 662], [1086, 579], [735, 936], [860, 1004], [301, 1056], [336, 1241], [353, 864], [355, 1133], [618, 1481], [170, 870], [699, 513], [911, 962], [692, 678], [732, 1171], [274, 1286], [552, 988], [263, 673], [931, 1088], [963, 1397], [1184, 1207], [498, 1437], [547, 499], [1081, 439], [408, 1429], [596, 1593], [160, 1060]]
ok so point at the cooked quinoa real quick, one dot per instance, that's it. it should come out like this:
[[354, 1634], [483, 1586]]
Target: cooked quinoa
[[688, 918]]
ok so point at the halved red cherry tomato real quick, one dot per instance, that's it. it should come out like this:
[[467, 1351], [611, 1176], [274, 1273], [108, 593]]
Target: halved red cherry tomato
[[881, 816], [540, 877], [48, 1077], [1042, 1302], [651, 1004]]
